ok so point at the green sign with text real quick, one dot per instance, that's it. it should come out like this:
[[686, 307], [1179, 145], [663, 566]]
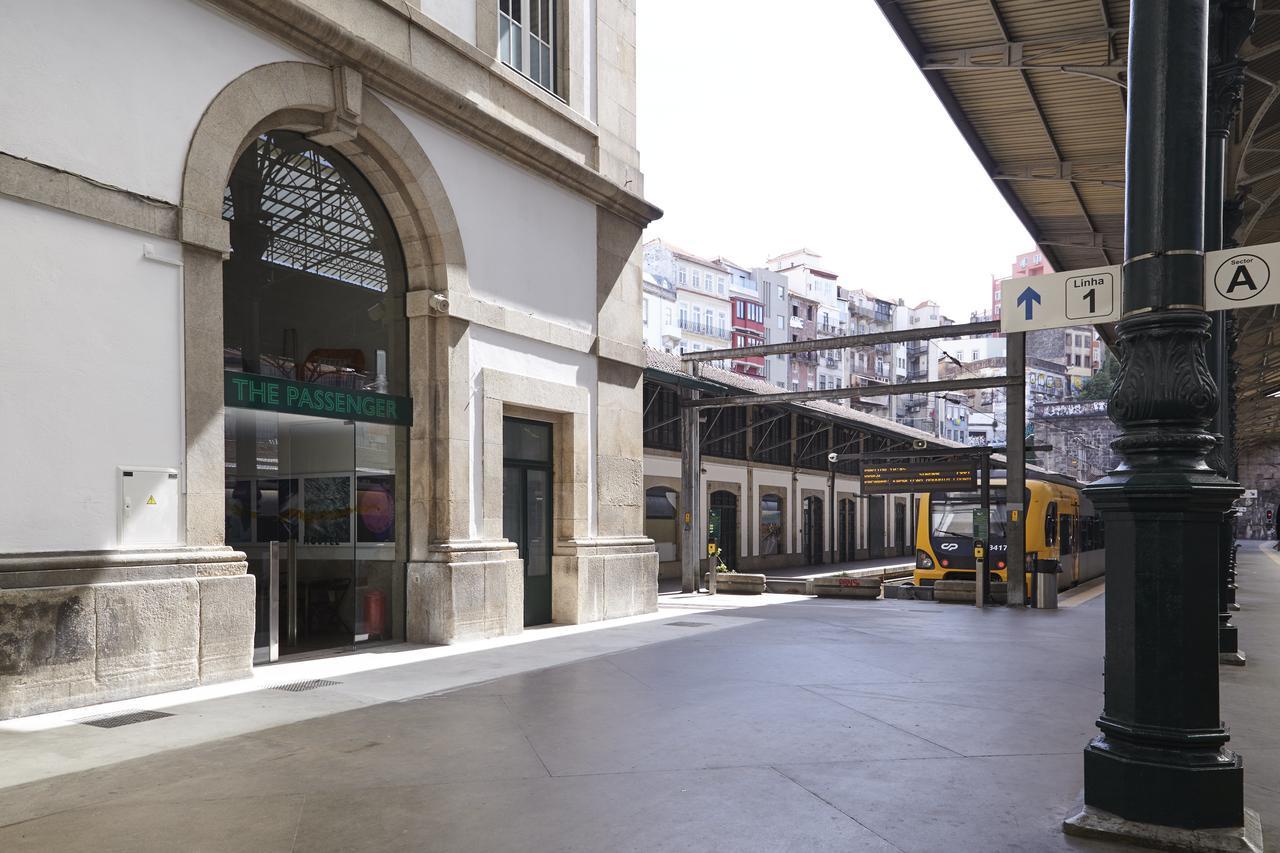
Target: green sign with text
[[273, 394]]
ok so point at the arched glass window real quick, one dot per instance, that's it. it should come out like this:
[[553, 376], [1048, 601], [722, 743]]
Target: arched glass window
[[313, 293], [314, 288], [660, 504]]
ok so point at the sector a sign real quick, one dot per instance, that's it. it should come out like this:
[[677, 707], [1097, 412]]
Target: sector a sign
[[1238, 278]]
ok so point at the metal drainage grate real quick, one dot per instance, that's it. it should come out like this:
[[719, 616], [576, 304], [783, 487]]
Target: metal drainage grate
[[300, 686], [112, 721], [689, 624]]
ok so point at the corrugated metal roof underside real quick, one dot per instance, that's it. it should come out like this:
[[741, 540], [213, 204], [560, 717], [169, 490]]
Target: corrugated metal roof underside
[[1023, 80]]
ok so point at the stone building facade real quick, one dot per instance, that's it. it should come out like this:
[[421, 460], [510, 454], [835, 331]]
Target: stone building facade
[[322, 326]]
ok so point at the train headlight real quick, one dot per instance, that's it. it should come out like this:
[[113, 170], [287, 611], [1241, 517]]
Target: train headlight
[[923, 560]]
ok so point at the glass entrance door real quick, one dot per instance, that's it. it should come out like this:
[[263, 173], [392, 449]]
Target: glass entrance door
[[527, 515], [313, 503]]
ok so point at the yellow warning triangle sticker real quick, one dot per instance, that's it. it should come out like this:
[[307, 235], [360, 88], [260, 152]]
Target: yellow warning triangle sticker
[[151, 501]]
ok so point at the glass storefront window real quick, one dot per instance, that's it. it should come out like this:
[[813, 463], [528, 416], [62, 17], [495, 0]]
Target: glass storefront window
[[313, 292]]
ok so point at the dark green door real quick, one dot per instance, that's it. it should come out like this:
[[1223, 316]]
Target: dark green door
[[722, 527], [527, 509], [812, 532], [848, 528]]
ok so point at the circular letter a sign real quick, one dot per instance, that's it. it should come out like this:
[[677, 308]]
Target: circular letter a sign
[[1242, 277]]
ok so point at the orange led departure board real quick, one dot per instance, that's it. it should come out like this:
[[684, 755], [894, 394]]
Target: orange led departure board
[[878, 478]]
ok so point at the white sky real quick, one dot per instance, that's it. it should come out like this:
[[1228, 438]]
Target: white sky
[[762, 131]]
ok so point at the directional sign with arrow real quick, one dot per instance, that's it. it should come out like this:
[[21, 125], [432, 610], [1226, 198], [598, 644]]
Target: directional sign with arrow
[[1027, 298], [1076, 298]]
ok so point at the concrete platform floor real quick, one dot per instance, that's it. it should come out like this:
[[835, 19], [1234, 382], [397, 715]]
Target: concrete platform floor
[[773, 724]]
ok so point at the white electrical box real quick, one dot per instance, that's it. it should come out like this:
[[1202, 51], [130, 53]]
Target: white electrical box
[[148, 506]]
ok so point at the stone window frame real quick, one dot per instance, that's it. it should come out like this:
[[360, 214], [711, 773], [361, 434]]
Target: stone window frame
[[569, 56], [566, 408]]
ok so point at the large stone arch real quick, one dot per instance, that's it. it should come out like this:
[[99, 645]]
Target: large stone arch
[[332, 107]]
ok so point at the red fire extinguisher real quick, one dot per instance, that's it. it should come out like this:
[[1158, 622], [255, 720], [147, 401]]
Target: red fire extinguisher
[[375, 613]]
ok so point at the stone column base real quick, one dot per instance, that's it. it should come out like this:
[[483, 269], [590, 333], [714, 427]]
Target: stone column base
[[595, 579], [78, 628], [465, 591], [1091, 822]]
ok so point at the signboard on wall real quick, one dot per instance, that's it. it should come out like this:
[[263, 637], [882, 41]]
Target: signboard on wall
[[881, 478], [274, 394]]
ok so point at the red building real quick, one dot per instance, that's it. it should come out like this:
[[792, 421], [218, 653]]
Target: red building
[[1027, 264], [748, 331]]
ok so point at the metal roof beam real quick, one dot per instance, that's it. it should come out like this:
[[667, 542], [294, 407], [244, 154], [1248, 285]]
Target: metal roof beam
[[847, 341], [1083, 240], [844, 393], [1013, 54], [1061, 170], [1030, 55]]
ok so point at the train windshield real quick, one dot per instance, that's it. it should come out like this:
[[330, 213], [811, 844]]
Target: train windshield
[[951, 513]]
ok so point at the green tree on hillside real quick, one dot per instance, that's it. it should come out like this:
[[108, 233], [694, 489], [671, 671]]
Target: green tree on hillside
[[1098, 386]]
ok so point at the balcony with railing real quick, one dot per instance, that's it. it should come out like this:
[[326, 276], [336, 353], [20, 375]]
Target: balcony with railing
[[705, 329]]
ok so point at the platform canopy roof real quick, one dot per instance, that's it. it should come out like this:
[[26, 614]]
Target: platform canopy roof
[[1037, 89]]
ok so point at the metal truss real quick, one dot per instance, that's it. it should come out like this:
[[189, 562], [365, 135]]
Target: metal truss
[[847, 342], [1076, 172], [846, 393], [1032, 55], [318, 223]]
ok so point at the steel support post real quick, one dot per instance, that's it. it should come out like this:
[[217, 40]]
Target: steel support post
[[982, 573], [1230, 22], [1016, 476], [1161, 757], [690, 490], [831, 512]]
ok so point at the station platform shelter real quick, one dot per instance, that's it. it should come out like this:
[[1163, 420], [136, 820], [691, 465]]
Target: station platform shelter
[[771, 500]]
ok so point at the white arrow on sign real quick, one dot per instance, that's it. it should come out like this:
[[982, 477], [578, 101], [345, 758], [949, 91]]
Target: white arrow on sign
[[1238, 278], [1075, 298]]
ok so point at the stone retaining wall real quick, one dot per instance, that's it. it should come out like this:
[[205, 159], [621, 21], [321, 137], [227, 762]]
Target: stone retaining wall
[[77, 629]]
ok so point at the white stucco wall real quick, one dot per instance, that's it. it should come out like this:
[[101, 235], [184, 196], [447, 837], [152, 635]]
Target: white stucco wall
[[131, 127], [530, 245], [90, 373], [497, 350], [456, 15]]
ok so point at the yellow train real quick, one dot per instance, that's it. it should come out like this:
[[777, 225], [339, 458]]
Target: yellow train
[[1062, 528]]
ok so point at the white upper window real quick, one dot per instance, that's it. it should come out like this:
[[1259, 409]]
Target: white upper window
[[526, 39]]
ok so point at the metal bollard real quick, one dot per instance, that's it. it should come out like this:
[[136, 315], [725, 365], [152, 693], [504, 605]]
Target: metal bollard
[[1044, 583], [1046, 591]]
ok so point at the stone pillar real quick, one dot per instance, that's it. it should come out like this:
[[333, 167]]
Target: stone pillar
[[1160, 769]]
